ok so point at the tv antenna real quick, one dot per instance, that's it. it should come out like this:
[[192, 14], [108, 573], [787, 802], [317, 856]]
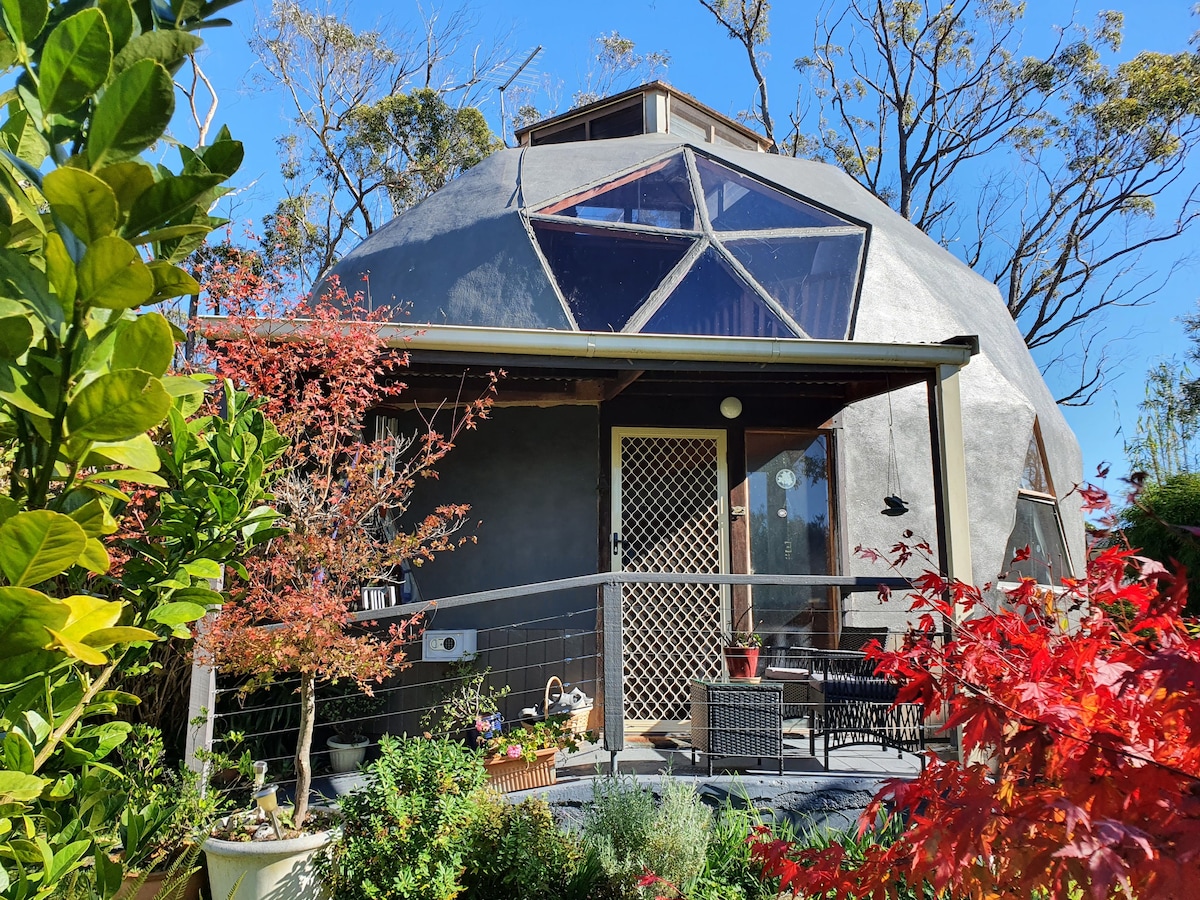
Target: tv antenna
[[528, 80]]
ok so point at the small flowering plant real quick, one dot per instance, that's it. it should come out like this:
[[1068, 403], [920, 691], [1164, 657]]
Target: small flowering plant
[[526, 741]]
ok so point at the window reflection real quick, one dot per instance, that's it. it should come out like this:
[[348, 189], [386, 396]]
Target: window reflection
[[789, 524], [814, 279], [1038, 528], [659, 195], [736, 202], [713, 299], [605, 275]]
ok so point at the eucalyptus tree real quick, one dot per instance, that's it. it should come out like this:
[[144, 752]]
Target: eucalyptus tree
[[1049, 175], [381, 118]]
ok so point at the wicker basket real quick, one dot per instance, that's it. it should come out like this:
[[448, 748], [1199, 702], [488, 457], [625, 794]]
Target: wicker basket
[[507, 775], [577, 720]]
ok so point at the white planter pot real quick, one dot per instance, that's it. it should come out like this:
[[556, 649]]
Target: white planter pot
[[269, 870], [346, 757]]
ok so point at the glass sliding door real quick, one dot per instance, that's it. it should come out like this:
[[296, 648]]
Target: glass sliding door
[[790, 533]]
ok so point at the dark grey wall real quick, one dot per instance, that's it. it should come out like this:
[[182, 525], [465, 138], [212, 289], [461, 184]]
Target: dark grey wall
[[530, 476]]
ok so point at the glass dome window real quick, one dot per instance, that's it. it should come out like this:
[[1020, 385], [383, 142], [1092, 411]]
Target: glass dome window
[[813, 279], [736, 202], [714, 300], [606, 275], [659, 195], [772, 265]]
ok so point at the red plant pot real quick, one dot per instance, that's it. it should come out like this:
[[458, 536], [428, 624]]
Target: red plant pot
[[741, 662]]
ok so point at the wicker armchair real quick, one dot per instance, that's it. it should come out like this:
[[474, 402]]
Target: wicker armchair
[[848, 703]]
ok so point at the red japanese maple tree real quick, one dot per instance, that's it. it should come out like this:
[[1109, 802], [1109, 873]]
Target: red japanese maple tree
[[1083, 711], [323, 367]]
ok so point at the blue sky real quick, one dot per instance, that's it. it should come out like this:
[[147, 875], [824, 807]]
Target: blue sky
[[712, 68]]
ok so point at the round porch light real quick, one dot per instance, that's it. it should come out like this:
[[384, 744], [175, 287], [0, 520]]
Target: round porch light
[[731, 407]]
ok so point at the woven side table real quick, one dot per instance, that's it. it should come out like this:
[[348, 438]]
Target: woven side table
[[732, 719]]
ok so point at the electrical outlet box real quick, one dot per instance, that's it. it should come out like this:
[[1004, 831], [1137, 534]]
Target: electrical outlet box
[[446, 646]]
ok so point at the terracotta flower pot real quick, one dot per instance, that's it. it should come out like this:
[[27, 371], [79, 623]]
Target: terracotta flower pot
[[741, 662], [518, 774]]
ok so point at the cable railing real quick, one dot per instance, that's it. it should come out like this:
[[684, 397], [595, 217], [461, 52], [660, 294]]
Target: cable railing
[[583, 646]]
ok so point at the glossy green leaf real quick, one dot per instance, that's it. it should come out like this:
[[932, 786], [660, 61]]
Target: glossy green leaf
[[18, 753], [60, 270], [203, 568], [25, 615], [19, 280], [15, 390], [170, 48], [37, 545], [25, 19], [177, 613], [117, 406], [8, 508], [171, 232], [82, 652], [133, 113], [84, 202], [119, 15], [23, 139], [18, 786], [129, 476], [129, 180], [94, 557], [167, 199], [186, 393], [75, 61], [16, 334], [113, 276], [171, 281], [104, 638], [145, 343], [67, 859], [136, 453], [94, 518]]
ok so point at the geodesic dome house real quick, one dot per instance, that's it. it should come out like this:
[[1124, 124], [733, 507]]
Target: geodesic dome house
[[717, 360]]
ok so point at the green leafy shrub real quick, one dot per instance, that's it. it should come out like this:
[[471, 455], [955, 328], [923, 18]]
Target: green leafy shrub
[[405, 831], [517, 851], [630, 836]]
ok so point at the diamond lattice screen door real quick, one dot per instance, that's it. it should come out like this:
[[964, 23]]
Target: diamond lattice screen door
[[669, 495]]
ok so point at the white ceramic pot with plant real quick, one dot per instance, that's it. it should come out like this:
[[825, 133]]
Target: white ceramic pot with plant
[[347, 711], [278, 870]]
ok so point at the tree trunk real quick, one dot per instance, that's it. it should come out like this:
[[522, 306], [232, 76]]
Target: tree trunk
[[308, 710]]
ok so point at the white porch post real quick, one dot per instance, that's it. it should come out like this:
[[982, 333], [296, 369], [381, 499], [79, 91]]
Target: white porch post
[[950, 473], [950, 464]]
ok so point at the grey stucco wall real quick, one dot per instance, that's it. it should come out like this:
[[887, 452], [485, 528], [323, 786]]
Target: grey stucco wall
[[531, 477]]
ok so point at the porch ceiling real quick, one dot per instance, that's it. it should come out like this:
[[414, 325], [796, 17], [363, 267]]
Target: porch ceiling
[[432, 379]]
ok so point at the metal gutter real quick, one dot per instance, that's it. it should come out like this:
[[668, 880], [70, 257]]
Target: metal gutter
[[610, 345], [616, 345]]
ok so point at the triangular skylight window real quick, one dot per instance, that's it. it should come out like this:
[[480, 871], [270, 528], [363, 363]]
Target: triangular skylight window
[[812, 278], [1034, 476], [659, 195], [713, 300], [614, 249], [605, 275], [737, 202]]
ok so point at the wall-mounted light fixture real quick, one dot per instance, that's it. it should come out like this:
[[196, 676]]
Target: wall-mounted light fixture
[[731, 407]]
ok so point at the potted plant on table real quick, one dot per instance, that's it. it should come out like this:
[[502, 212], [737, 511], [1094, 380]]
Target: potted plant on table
[[741, 655], [292, 612]]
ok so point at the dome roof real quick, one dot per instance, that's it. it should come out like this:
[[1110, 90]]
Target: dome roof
[[654, 235]]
